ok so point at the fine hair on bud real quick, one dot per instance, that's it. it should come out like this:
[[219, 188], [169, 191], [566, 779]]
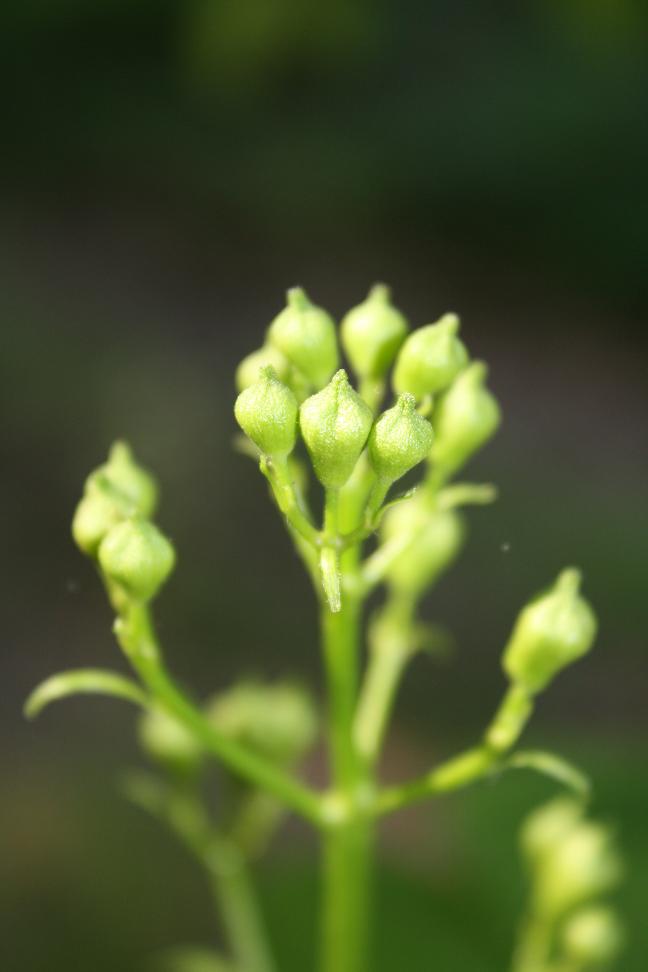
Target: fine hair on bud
[[267, 413], [399, 440], [305, 335], [335, 424], [430, 359], [372, 333]]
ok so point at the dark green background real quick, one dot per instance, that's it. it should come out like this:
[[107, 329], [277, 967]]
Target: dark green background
[[167, 170]]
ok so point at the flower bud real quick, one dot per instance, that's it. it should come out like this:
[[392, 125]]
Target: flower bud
[[97, 512], [431, 541], [372, 333], [166, 741], [335, 424], [137, 557], [399, 440], [305, 334], [277, 721], [593, 936], [580, 866], [127, 477], [430, 359], [465, 419], [550, 633], [546, 826], [267, 413], [248, 370]]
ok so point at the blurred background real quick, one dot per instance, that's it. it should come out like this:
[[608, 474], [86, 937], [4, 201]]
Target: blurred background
[[167, 170]]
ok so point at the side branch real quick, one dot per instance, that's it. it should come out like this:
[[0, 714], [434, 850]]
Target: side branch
[[138, 640]]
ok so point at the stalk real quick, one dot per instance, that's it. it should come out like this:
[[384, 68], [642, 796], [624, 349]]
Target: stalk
[[348, 846], [234, 895]]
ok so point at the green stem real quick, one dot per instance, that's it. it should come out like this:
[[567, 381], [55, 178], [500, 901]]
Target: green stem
[[139, 642], [341, 650], [277, 472], [533, 949], [347, 862], [234, 895], [466, 768], [330, 557], [390, 652], [347, 879], [473, 764]]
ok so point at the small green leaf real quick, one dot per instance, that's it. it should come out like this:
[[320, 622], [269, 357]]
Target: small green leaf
[[82, 681], [549, 764]]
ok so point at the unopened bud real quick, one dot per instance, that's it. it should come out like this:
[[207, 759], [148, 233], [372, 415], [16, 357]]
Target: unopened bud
[[97, 513], [431, 540], [399, 440], [465, 419], [580, 866], [277, 721], [550, 633], [166, 741], [127, 477], [267, 413], [430, 358], [546, 826], [593, 936], [137, 557], [335, 424], [372, 333], [305, 334], [248, 370]]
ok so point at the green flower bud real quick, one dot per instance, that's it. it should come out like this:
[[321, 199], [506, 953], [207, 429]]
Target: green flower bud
[[166, 741], [430, 359], [372, 333], [593, 936], [545, 827], [550, 633], [335, 424], [123, 474], [305, 334], [571, 859], [399, 440], [248, 370], [267, 413], [580, 866], [431, 541], [465, 419], [137, 557], [97, 513], [277, 721]]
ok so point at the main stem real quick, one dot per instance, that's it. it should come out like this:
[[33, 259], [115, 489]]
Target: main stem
[[348, 845]]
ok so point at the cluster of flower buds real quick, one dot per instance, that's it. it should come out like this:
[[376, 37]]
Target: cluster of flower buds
[[573, 863], [302, 352], [112, 524], [290, 390]]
